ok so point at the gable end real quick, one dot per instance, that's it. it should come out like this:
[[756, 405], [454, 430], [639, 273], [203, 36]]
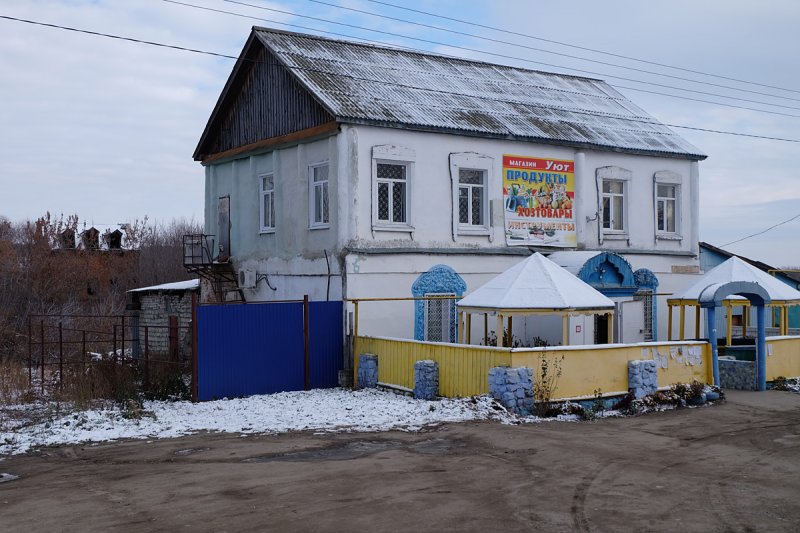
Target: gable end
[[262, 101]]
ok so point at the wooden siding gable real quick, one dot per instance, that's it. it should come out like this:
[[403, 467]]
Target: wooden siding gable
[[261, 100]]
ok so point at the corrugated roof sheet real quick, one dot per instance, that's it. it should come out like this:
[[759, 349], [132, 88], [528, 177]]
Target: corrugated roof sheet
[[365, 83]]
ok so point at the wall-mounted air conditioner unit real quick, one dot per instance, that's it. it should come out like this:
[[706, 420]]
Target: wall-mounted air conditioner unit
[[247, 279]]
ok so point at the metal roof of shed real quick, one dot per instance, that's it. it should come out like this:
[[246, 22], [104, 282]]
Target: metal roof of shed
[[368, 84]]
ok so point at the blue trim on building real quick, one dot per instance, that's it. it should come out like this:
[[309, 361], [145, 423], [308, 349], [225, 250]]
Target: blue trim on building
[[610, 274], [438, 279], [647, 281]]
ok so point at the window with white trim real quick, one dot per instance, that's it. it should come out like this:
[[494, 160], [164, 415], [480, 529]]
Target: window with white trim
[[666, 204], [267, 205], [613, 198], [439, 314], [665, 207], [318, 199], [392, 192], [470, 176], [613, 205], [472, 198], [392, 176]]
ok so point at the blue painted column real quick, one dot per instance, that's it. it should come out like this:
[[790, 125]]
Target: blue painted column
[[761, 347], [711, 324]]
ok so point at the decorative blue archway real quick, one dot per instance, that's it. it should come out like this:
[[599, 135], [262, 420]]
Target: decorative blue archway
[[438, 279], [712, 297], [610, 274]]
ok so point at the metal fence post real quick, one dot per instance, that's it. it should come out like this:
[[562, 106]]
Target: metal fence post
[[146, 358], [41, 359], [306, 355], [123, 339], [30, 352], [83, 351], [114, 336], [60, 355], [194, 349]]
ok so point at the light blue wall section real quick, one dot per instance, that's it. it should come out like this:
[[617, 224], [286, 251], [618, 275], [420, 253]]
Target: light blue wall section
[[292, 237]]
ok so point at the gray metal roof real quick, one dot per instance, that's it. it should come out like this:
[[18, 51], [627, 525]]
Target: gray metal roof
[[360, 83]]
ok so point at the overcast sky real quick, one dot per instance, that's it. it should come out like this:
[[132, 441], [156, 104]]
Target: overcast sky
[[106, 128]]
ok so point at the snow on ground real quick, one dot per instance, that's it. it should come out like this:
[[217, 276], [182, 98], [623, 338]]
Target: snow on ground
[[321, 410]]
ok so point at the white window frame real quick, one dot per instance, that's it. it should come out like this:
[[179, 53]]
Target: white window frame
[[484, 164], [313, 187], [448, 309], [393, 155], [265, 228], [613, 174], [673, 179]]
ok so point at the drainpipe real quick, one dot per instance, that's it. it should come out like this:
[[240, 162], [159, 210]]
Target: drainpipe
[[761, 347], [711, 323]]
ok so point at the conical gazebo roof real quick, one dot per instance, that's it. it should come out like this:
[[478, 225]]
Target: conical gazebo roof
[[535, 284]]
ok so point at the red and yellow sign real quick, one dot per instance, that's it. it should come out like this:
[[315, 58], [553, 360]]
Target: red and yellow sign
[[538, 196]]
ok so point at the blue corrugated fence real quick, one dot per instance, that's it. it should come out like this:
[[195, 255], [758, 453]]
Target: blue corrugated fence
[[246, 349]]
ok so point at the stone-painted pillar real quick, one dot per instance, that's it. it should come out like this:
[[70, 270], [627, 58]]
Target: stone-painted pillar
[[642, 378], [426, 379], [367, 375], [761, 348], [711, 324], [513, 388]]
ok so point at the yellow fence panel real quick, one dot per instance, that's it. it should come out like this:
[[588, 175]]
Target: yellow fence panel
[[785, 358], [463, 369], [604, 368]]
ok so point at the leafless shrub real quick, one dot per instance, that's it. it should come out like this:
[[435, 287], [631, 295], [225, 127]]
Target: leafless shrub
[[545, 383]]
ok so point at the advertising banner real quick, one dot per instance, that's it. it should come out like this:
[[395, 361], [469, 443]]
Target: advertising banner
[[538, 199]]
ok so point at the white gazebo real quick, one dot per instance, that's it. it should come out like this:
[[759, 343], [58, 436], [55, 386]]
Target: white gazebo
[[736, 282], [535, 286]]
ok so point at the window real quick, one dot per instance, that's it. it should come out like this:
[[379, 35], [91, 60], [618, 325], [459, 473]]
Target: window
[[439, 314], [666, 204], [646, 297], [267, 207], [318, 196], [665, 208], [613, 205], [471, 197], [392, 176], [392, 192], [469, 173], [613, 187]]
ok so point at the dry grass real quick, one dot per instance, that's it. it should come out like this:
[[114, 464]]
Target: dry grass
[[14, 385]]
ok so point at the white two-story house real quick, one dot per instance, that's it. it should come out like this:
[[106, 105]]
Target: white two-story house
[[345, 170]]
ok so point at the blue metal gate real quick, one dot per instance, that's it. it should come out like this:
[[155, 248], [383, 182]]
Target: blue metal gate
[[246, 349]]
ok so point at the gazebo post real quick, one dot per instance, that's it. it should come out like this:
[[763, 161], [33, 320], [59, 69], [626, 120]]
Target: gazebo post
[[460, 327], [697, 321], [745, 319], [486, 329], [711, 320], [565, 318], [610, 328], [729, 325], [785, 320], [669, 321], [469, 327], [500, 336], [761, 347], [682, 319]]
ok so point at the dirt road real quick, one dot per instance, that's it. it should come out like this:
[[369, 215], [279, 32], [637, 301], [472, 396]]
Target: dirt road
[[732, 467]]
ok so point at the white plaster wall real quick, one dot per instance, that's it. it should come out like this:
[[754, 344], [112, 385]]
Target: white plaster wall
[[431, 207]]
